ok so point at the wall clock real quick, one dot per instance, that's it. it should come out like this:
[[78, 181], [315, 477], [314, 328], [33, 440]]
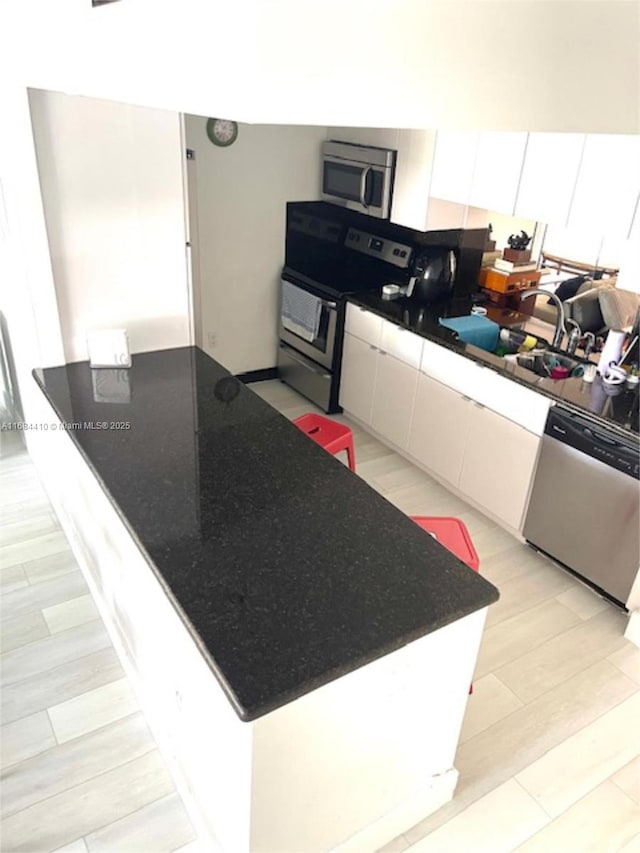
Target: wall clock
[[222, 132]]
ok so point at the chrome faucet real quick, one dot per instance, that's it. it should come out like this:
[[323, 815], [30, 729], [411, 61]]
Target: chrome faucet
[[590, 344], [574, 336], [560, 328]]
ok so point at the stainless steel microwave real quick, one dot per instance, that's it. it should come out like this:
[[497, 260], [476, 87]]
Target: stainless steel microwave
[[359, 177]]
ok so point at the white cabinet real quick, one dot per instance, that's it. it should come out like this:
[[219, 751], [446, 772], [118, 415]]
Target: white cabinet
[[359, 360], [498, 465], [377, 389], [363, 324], [496, 174], [485, 455], [549, 174], [479, 170], [606, 192], [453, 163], [465, 423], [477, 430], [393, 399], [401, 343], [453, 370], [439, 428], [409, 206], [379, 373]]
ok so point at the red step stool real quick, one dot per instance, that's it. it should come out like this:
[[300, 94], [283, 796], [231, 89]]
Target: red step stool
[[330, 435], [453, 534]]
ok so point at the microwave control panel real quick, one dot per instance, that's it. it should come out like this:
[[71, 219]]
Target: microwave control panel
[[385, 250]]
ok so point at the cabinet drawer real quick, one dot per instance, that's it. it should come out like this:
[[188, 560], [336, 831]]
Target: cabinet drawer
[[363, 324], [504, 396], [515, 402], [453, 370], [401, 343]]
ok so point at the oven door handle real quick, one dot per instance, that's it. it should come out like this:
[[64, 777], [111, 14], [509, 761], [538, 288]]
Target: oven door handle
[[363, 186], [331, 305]]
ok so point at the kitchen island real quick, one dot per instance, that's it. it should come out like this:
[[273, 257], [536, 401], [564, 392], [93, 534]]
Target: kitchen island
[[302, 650]]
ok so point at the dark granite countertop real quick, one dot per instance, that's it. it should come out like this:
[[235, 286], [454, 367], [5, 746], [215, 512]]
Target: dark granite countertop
[[289, 569], [621, 412]]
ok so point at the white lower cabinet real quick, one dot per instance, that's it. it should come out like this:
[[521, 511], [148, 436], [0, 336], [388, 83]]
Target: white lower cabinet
[[378, 389], [393, 398], [439, 428], [498, 465], [358, 377], [469, 426], [488, 457]]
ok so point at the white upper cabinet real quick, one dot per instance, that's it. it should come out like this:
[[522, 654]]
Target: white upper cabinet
[[497, 170], [453, 164], [606, 191], [413, 174], [480, 170], [549, 174]]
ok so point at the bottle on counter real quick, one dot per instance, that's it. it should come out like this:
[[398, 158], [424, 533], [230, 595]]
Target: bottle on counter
[[515, 340]]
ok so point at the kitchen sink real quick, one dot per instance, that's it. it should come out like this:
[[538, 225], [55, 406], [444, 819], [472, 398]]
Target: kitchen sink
[[544, 363], [544, 359]]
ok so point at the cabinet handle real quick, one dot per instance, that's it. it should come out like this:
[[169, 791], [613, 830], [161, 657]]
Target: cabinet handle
[[375, 349], [466, 399], [478, 405], [382, 352]]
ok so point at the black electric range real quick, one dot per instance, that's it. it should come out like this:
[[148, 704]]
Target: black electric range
[[332, 253]]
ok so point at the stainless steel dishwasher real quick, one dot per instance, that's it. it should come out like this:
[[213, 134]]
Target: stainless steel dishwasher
[[584, 509]]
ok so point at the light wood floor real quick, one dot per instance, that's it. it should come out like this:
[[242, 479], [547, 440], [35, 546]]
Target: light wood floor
[[549, 757]]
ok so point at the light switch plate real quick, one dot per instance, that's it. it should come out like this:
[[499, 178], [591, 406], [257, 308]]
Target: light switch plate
[[108, 348]]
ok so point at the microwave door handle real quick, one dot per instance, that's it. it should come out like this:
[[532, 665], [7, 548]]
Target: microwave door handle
[[363, 186]]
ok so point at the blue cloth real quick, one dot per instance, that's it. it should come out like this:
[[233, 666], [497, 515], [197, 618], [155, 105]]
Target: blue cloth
[[474, 329], [300, 311]]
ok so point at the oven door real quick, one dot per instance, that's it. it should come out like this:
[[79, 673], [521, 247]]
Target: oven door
[[360, 186], [321, 348]]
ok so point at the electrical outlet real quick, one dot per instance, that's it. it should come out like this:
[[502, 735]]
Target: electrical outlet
[[212, 338]]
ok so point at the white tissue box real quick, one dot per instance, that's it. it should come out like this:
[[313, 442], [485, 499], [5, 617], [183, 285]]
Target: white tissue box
[[108, 348]]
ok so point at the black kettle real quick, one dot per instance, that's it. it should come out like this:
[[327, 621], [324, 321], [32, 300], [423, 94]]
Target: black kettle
[[433, 273]]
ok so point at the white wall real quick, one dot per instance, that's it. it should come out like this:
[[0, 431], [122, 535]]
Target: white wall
[[496, 64], [27, 296], [111, 178], [272, 63], [242, 192]]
